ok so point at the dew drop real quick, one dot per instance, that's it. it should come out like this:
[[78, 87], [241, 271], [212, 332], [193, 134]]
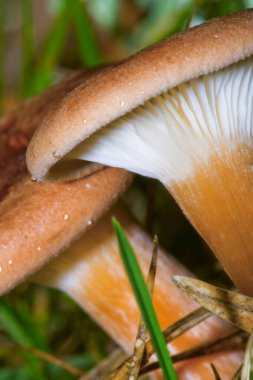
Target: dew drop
[[85, 121], [1, 269], [90, 222], [87, 186], [122, 104], [10, 262], [66, 217], [38, 248], [33, 179], [216, 36]]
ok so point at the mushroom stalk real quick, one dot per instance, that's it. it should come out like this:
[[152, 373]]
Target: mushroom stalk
[[91, 272], [226, 364], [218, 200]]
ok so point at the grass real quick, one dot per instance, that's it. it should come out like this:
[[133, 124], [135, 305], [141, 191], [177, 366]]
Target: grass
[[144, 302]]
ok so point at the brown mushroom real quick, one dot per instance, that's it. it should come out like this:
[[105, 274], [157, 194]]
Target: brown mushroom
[[181, 112], [38, 220]]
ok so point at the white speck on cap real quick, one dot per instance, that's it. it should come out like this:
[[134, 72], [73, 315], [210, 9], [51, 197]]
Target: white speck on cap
[[66, 217]]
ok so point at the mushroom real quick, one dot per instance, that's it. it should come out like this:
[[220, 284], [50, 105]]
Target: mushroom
[[37, 221], [179, 111], [51, 215]]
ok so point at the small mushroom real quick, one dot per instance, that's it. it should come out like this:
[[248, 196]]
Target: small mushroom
[[181, 112], [38, 220]]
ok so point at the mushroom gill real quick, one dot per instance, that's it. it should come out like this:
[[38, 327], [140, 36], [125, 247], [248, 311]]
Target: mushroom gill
[[170, 135], [197, 140]]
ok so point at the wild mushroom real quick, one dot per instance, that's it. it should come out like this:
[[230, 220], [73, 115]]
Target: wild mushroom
[[37, 221], [180, 111], [49, 220]]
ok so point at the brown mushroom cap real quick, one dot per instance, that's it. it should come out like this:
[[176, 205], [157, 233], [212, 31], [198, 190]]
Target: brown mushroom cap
[[38, 220], [120, 89]]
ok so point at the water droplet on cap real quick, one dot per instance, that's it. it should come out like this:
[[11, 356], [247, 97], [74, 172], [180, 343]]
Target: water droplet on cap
[[216, 36], [90, 222], [33, 179], [122, 104], [38, 248], [87, 186], [10, 262], [66, 217]]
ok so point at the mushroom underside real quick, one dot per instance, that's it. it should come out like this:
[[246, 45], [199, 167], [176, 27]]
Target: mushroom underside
[[170, 135], [197, 140]]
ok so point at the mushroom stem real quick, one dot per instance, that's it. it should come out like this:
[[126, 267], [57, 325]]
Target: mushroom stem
[[91, 272], [218, 199], [226, 364]]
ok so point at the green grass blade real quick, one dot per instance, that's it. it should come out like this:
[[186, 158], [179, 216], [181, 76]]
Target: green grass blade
[[145, 303], [9, 319], [87, 44], [51, 51], [27, 48]]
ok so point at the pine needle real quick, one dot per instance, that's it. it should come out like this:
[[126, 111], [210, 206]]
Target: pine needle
[[215, 372], [247, 367], [231, 306]]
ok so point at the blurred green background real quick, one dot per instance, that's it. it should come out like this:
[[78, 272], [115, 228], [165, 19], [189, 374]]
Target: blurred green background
[[41, 41]]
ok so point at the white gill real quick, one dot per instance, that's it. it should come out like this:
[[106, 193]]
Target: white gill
[[168, 135]]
